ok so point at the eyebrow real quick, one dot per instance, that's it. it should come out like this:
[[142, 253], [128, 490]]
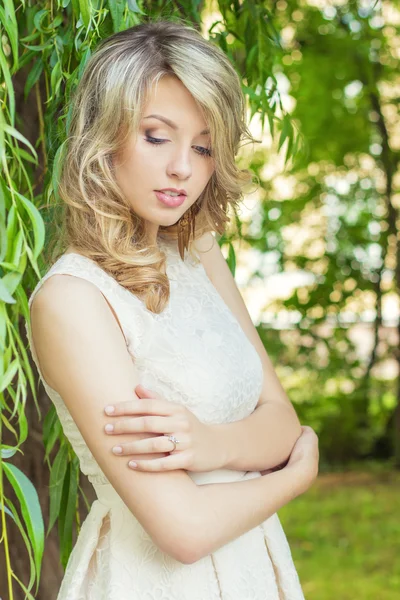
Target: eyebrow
[[172, 124]]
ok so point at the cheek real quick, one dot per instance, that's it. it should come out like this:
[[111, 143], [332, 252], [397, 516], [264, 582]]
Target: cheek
[[137, 167], [209, 171]]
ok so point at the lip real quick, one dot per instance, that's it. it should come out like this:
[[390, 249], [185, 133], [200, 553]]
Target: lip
[[171, 201], [180, 192]]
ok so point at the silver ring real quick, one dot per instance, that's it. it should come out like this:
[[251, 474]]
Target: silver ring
[[173, 439]]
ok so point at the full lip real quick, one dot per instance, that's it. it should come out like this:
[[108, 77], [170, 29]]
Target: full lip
[[170, 189], [172, 201]]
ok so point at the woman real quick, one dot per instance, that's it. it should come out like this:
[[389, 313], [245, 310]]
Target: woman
[[150, 305]]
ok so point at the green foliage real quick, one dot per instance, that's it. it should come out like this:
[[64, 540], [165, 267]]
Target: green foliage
[[338, 225], [31, 513]]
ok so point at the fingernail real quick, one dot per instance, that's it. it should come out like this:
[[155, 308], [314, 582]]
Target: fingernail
[[109, 428], [132, 464], [109, 409], [117, 449]]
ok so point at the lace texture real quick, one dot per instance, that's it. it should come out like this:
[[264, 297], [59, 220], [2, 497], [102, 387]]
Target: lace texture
[[197, 354]]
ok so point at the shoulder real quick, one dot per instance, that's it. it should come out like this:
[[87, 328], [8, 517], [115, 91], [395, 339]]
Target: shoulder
[[65, 297], [69, 315], [208, 251], [205, 242], [58, 285], [211, 257]]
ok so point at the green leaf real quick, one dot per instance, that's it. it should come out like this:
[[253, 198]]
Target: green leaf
[[39, 47], [56, 78], [231, 260], [8, 451], [37, 224], [7, 511], [9, 375], [68, 509], [51, 430], [24, 154], [251, 57], [117, 11], [57, 168], [37, 19], [286, 129], [33, 76], [5, 295], [8, 84], [14, 513], [30, 508], [57, 475], [14, 133], [133, 6], [9, 20], [86, 9]]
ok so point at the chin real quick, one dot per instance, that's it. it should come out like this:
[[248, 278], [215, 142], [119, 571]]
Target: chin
[[171, 218]]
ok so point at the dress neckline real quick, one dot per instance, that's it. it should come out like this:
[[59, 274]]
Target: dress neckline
[[164, 243]]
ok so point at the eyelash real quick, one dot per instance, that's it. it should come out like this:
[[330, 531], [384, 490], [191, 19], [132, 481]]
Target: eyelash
[[204, 152]]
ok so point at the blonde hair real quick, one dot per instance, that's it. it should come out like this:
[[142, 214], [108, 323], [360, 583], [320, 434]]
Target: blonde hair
[[107, 107]]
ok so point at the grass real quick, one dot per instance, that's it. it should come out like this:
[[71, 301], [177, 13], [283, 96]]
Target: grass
[[344, 534]]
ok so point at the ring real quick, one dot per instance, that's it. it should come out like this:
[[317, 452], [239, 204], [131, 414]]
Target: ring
[[173, 439]]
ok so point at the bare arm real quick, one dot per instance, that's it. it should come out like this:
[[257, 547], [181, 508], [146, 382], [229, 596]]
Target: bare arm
[[265, 438], [83, 356], [260, 441], [225, 511]]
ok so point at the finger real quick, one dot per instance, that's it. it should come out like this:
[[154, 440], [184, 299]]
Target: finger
[[172, 462], [153, 445], [148, 423], [143, 392], [148, 406]]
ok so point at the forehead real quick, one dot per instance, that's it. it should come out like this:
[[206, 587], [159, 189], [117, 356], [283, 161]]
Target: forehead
[[170, 102]]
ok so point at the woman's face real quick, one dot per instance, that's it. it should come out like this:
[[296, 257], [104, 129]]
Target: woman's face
[[178, 157]]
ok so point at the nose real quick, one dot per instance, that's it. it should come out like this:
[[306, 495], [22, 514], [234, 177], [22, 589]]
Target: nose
[[179, 164]]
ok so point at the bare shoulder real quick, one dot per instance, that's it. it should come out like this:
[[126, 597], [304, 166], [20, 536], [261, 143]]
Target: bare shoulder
[[65, 311], [60, 294], [205, 242], [60, 286], [208, 250]]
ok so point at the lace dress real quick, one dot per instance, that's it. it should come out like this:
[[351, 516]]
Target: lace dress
[[196, 353]]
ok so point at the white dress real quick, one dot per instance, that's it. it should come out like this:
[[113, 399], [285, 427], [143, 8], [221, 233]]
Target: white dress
[[196, 353]]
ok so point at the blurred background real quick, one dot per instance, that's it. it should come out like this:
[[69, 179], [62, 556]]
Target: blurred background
[[315, 250]]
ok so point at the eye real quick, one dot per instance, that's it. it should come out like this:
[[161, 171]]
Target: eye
[[200, 150]]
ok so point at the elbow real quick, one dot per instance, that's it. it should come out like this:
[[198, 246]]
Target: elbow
[[295, 425], [185, 551], [294, 431], [198, 545], [181, 543], [192, 553]]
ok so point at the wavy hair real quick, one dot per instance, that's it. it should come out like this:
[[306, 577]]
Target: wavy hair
[[107, 107]]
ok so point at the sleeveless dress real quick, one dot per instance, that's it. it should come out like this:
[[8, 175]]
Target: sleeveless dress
[[196, 353]]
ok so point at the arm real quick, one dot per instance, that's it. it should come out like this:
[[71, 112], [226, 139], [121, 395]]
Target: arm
[[83, 356], [225, 511], [262, 440], [265, 438]]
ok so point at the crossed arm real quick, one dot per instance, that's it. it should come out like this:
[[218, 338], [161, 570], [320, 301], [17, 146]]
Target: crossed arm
[[83, 356], [264, 439]]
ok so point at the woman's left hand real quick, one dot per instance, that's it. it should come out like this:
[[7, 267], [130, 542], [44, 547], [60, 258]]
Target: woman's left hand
[[197, 449]]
